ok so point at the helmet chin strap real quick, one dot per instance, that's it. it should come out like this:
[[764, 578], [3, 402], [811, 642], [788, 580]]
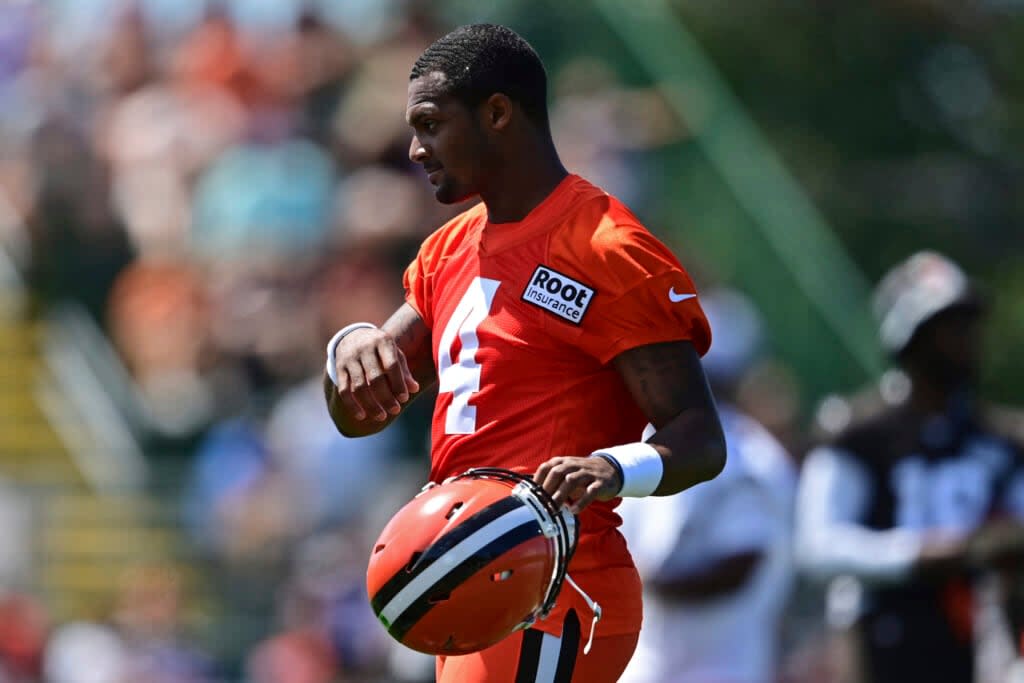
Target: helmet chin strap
[[595, 608]]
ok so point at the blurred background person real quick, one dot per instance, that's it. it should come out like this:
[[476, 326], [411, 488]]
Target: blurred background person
[[216, 184], [143, 637], [24, 629], [716, 559], [904, 508], [149, 618]]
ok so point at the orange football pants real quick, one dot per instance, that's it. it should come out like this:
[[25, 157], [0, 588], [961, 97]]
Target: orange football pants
[[533, 656]]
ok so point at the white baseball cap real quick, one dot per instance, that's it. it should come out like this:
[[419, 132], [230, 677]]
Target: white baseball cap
[[915, 291]]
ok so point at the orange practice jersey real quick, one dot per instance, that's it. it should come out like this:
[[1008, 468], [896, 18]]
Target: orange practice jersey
[[525, 318]]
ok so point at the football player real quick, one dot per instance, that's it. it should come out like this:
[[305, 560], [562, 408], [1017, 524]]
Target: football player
[[904, 508], [554, 325]]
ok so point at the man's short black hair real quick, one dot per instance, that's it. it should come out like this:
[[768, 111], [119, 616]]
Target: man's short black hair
[[479, 60]]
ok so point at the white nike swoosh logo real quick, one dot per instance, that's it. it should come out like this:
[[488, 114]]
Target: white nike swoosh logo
[[676, 298]]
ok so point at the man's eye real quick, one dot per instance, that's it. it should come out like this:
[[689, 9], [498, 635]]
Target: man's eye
[[430, 125]]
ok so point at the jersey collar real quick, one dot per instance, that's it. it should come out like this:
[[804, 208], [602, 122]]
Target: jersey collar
[[496, 237]]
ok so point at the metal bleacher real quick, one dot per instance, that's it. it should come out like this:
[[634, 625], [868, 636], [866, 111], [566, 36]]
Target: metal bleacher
[[92, 510]]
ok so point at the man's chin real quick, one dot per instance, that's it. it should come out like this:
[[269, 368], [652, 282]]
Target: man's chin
[[451, 195]]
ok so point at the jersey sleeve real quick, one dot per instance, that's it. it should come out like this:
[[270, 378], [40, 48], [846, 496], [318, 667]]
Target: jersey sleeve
[[418, 281], [422, 273], [642, 295]]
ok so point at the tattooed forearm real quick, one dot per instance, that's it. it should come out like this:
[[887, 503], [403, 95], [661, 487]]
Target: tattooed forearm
[[406, 327], [413, 337], [664, 381], [668, 384]]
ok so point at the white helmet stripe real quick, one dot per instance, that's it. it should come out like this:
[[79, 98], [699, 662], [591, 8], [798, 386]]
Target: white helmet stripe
[[441, 567]]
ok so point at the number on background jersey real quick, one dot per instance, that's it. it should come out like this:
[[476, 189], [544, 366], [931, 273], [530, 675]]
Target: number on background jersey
[[462, 378]]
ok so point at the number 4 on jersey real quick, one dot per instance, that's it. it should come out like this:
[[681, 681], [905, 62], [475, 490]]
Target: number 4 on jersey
[[462, 378]]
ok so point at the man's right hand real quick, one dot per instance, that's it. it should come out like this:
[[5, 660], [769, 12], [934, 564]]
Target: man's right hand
[[379, 371], [942, 556], [374, 379], [997, 543]]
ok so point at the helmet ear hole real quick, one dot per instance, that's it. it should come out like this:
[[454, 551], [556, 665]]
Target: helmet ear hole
[[439, 597], [454, 509], [377, 548], [413, 560]]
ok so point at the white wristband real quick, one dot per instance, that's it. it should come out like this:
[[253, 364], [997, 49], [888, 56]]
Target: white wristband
[[641, 467], [332, 346]]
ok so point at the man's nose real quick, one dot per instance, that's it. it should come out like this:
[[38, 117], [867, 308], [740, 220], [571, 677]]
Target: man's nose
[[417, 152]]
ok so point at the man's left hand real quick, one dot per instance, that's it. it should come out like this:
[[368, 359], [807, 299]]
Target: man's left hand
[[577, 482]]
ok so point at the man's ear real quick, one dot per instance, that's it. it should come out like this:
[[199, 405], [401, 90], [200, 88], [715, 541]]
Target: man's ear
[[497, 112]]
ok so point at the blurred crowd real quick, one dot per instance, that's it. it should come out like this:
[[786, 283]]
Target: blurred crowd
[[221, 184]]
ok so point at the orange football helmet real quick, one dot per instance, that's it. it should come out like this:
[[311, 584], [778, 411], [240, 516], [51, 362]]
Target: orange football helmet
[[469, 561]]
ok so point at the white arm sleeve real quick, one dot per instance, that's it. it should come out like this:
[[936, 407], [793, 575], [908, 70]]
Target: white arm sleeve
[[743, 520], [831, 539]]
